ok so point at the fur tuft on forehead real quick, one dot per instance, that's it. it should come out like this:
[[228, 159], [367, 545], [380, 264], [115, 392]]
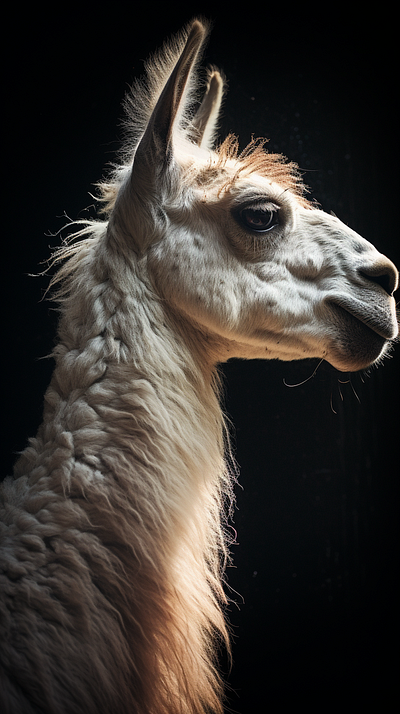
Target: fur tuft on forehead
[[227, 164]]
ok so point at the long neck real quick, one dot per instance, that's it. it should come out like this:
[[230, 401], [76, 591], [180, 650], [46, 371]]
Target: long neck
[[133, 429]]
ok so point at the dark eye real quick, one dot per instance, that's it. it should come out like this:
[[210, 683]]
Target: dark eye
[[260, 220]]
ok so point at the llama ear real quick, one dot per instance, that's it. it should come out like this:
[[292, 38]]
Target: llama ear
[[155, 147], [206, 117]]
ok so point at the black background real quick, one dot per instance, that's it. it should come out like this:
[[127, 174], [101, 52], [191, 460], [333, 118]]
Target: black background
[[315, 570]]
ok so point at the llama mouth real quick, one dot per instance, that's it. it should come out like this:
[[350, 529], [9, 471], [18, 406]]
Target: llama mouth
[[357, 344], [378, 318]]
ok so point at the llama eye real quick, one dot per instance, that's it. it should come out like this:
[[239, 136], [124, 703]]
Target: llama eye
[[260, 220]]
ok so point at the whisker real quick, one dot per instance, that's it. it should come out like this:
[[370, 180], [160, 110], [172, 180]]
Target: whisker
[[304, 380], [354, 392], [348, 381]]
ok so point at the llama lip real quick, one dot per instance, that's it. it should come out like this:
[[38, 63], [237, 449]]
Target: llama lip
[[379, 317], [356, 345]]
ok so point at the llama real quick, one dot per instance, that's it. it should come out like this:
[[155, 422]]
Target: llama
[[113, 536]]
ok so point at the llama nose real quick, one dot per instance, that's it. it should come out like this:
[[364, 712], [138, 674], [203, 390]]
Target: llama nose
[[383, 273]]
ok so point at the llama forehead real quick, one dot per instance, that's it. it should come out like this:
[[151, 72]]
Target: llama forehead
[[226, 166], [257, 165], [203, 172]]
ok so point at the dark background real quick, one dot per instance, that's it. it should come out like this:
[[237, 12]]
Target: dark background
[[315, 570]]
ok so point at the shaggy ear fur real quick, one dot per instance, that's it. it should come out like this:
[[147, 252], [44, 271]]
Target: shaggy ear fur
[[155, 148]]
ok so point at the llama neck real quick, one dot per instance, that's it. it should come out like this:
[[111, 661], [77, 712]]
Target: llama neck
[[132, 439], [131, 401]]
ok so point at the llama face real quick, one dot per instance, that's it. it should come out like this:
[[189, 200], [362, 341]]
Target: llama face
[[275, 279], [233, 247]]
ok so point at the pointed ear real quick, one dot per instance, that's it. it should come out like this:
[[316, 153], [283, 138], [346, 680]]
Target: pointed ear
[[206, 117], [155, 147]]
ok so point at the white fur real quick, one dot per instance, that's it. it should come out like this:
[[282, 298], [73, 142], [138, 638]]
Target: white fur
[[113, 537]]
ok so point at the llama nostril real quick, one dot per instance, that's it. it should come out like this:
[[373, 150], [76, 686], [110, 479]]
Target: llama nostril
[[384, 274]]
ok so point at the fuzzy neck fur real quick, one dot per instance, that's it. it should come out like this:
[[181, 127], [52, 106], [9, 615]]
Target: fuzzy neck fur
[[117, 507]]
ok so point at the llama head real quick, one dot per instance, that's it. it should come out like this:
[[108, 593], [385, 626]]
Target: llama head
[[231, 245]]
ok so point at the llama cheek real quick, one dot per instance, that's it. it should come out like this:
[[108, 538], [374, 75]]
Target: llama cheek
[[307, 266]]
